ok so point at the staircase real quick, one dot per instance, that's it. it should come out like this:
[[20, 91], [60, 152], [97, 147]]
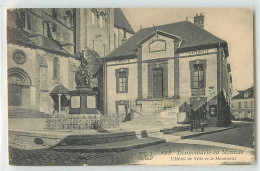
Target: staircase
[[22, 112]]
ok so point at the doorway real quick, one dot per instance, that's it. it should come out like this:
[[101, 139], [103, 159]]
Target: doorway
[[15, 95], [158, 83]]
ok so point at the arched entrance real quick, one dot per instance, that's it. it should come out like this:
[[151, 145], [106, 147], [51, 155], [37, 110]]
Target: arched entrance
[[18, 87]]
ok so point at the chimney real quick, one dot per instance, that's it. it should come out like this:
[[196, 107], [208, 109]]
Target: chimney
[[199, 20]]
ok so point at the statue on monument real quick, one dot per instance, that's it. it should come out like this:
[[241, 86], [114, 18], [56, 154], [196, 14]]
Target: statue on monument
[[82, 77]]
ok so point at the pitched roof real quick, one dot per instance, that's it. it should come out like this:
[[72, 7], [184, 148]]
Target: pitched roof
[[59, 89], [241, 94], [193, 37], [20, 37], [121, 21], [15, 35]]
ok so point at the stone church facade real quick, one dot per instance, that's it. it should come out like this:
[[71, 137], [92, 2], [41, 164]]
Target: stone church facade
[[43, 49]]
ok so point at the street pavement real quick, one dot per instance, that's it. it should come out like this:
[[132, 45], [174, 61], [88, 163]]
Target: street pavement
[[147, 155], [164, 153], [242, 135]]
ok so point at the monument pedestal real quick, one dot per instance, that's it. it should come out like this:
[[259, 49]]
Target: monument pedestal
[[83, 101]]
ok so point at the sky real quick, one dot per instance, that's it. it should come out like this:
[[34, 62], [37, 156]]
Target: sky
[[235, 25]]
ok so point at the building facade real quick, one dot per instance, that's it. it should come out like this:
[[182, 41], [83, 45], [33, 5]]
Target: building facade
[[172, 69], [242, 105], [43, 50]]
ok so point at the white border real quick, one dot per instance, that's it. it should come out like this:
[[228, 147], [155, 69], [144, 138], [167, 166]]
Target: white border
[[255, 4]]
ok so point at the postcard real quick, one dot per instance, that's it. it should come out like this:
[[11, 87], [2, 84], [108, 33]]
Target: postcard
[[130, 86]]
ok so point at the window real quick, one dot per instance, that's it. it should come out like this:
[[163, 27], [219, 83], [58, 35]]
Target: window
[[121, 80], [54, 13], [69, 18], [47, 30], [245, 104], [97, 20], [198, 81], [239, 105], [102, 21], [28, 23], [115, 39], [95, 17], [252, 104], [198, 77], [56, 69], [25, 20]]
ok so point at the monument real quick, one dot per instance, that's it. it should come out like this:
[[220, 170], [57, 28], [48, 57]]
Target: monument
[[83, 99]]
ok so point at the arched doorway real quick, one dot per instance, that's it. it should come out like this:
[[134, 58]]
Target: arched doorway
[[18, 87]]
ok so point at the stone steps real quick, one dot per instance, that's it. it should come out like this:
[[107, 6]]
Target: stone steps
[[73, 140], [19, 112], [118, 146]]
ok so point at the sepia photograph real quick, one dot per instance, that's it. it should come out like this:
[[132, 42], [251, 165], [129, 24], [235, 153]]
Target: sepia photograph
[[130, 86]]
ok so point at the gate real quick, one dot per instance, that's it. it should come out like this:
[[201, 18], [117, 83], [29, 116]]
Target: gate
[[198, 113]]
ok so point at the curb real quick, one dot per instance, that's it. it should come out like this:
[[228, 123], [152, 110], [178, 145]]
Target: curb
[[204, 133], [112, 149]]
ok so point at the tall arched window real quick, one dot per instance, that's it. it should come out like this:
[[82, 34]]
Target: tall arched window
[[95, 17], [56, 69], [101, 21]]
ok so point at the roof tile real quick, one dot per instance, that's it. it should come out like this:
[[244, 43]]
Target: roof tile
[[121, 21], [192, 36]]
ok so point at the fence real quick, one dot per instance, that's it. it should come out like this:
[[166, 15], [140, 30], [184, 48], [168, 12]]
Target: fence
[[85, 122]]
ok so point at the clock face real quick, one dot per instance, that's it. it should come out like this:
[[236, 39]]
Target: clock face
[[19, 57]]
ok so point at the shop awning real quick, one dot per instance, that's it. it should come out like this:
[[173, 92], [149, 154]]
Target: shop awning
[[59, 89]]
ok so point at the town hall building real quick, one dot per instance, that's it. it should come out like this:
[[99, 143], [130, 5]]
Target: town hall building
[[169, 70]]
